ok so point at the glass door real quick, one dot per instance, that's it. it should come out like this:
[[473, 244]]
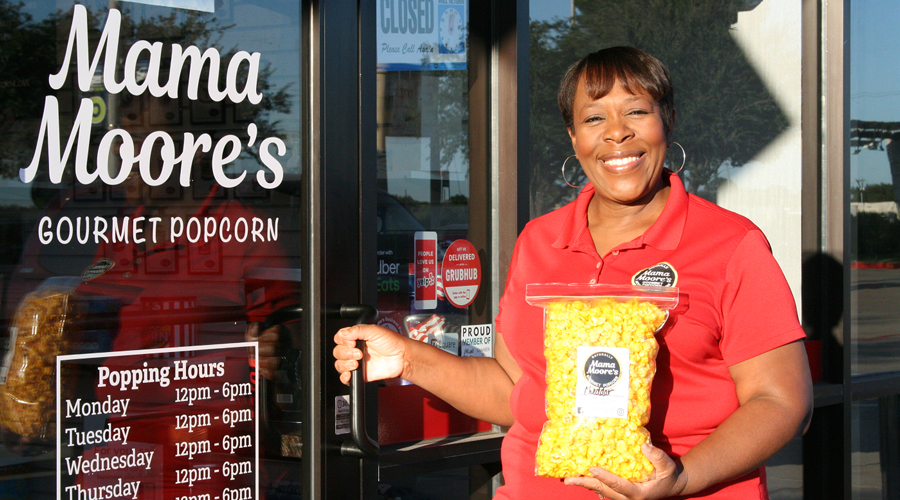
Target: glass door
[[152, 216], [426, 158], [430, 272]]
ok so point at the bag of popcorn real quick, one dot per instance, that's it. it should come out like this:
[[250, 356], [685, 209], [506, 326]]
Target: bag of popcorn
[[601, 358]]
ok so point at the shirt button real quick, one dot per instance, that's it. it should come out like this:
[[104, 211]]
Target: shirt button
[[599, 264], [593, 281], [126, 274], [615, 252]]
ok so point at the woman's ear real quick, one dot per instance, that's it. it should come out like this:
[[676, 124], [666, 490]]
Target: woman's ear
[[571, 132], [670, 127]]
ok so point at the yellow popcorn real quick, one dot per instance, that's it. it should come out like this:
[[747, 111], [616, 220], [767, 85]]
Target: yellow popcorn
[[587, 339]]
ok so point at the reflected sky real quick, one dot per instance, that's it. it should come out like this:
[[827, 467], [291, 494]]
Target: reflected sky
[[541, 10], [874, 78]]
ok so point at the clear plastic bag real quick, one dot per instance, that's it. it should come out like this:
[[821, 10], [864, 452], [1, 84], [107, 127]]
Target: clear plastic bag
[[40, 331], [601, 359]]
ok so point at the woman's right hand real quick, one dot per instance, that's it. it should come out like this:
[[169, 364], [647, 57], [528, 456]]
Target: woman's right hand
[[384, 357]]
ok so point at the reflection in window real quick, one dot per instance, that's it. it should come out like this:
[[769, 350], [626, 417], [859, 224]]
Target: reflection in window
[[141, 236], [875, 458], [735, 68], [423, 180], [422, 143], [874, 188], [784, 472], [726, 115]]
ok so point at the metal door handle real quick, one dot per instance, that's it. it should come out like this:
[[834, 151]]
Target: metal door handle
[[280, 316], [361, 445]]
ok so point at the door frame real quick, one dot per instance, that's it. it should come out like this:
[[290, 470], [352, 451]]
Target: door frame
[[340, 86]]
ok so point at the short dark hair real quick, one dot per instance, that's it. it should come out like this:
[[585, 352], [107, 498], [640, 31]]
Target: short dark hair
[[635, 69]]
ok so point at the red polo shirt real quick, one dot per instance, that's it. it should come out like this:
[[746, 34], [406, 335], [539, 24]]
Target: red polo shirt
[[734, 304]]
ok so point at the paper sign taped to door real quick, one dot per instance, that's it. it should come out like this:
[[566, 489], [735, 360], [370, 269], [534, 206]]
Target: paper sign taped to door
[[477, 341]]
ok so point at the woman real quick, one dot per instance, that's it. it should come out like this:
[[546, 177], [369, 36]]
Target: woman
[[732, 384]]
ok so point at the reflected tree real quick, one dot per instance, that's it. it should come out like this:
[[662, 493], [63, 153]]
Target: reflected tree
[[724, 113], [29, 50], [452, 117]]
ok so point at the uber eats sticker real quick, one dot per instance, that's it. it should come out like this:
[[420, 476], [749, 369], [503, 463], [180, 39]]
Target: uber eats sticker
[[662, 274], [602, 383]]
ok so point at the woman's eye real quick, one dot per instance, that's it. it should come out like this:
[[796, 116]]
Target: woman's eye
[[593, 119], [638, 112]]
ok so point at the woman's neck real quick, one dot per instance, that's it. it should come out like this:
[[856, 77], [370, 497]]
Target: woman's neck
[[612, 224]]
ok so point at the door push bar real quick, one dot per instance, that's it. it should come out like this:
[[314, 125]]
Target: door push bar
[[360, 445]]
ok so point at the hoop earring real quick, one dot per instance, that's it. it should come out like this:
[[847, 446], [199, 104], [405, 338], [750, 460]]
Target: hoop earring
[[564, 174], [683, 157]]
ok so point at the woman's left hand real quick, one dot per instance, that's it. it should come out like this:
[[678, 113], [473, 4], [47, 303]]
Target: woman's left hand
[[662, 483]]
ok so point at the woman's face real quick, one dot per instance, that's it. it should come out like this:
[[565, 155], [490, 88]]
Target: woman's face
[[620, 141]]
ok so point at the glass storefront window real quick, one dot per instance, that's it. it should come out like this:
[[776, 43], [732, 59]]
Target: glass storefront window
[[874, 259], [784, 472], [429, 267], [874, 188], [149, 189], [874, 459], [423, 189]]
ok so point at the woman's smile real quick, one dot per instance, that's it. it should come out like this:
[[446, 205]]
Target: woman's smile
[[621, 162]]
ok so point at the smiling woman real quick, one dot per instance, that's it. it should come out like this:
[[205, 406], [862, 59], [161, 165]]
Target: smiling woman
[[733, 335], [619, 117], [620, 141]]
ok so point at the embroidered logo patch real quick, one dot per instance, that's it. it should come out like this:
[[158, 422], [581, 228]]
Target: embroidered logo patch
[[97, 269], [662, 274]]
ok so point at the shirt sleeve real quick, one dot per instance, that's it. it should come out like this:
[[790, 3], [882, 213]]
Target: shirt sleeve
[[758, 308]]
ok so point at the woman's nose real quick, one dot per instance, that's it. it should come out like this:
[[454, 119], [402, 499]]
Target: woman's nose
[[617, 130]]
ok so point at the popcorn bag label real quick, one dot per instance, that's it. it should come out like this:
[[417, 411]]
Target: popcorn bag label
[[602, 383]]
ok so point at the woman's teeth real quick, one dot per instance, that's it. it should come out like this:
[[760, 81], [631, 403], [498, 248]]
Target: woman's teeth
[[618, 162]]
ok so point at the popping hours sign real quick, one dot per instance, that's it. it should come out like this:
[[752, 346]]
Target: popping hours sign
[[461, 273], [159, 422], [422, 35]]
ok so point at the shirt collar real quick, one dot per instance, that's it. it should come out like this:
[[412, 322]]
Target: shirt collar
[[664, 234]]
